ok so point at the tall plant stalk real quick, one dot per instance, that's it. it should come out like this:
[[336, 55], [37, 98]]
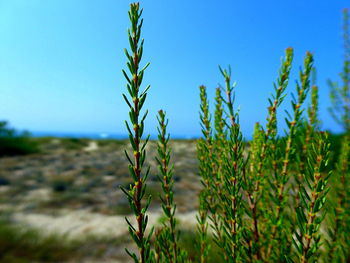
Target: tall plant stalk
[[313, 198], [281, 179], [169, 242], [204, 148], [264, 144], [234, 170], [137, 190], [219, 155]]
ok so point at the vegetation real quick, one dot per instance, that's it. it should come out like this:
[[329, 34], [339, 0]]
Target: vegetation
[[137, 190], [274, 201], [338, 225], [13, 142], [18, 244]]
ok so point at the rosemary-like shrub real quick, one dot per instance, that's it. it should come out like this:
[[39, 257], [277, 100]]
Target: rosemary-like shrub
[[265, 200]]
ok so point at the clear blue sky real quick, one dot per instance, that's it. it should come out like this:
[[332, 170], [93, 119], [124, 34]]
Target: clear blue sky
[[61, 60]]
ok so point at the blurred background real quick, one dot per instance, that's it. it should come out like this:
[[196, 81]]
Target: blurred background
[[62, 132]]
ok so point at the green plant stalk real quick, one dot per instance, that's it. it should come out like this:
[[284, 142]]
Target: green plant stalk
[[210, 157], [202, 228], [282, 180], [255, 149], [253, 189], [137, 191], [302, 92], [204, 149], [313, 109], [313, 120], [220, 137], [234, 166], [208, 164], [210, 153], [306, 139], [165, 177], [232, 200], [218, 117], [157, 248], [307, 129], [308, 239], [163, 246], [218, 157], [271, 126]]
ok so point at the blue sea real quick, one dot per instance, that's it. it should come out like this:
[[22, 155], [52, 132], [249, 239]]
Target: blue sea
[[97, 136], [78, 135]]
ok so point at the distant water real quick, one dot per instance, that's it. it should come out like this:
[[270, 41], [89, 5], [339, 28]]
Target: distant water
[[96, 136]]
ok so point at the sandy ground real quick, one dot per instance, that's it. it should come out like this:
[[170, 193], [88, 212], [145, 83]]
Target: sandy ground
[[72, 188], [92, 146], [77, 224]]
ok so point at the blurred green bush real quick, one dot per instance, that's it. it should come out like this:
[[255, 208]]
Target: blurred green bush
[[13, 142], [335, 141], [19, 245]]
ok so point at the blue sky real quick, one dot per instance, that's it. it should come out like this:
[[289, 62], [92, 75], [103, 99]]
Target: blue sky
[[61, 60]]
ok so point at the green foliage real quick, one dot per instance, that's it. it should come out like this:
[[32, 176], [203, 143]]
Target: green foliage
[[265, 158], [18, 245], [187, 241], [136, 191], [232, 176], [204, 148], [13, 142], [167, 249], [339, 228], [266, 201], [313, 197]]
